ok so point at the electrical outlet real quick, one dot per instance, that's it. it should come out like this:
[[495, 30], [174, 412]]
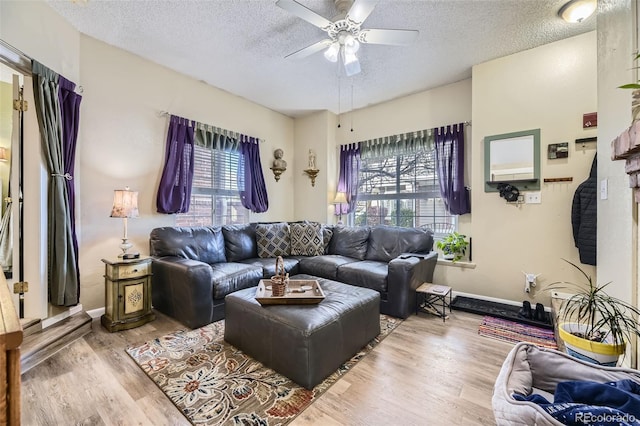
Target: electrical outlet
[[533, 197]]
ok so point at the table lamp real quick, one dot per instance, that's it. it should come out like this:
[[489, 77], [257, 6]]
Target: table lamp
[[125, 205], [341, 198]]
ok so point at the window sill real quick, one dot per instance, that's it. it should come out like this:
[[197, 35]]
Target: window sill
[[458, 264]]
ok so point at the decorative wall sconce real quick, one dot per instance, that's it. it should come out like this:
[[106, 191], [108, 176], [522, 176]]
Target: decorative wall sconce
[[279, 165], [312, 171]]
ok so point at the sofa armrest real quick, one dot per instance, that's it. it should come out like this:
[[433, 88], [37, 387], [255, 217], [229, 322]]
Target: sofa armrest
[[406, 273], [183, 289]]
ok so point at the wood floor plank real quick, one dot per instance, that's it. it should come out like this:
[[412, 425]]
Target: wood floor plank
[[425, 372]]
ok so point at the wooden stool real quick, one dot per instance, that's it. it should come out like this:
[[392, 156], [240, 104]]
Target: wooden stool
[[431, 294]]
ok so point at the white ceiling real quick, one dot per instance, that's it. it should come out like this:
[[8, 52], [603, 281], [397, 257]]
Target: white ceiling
[[240, 45]]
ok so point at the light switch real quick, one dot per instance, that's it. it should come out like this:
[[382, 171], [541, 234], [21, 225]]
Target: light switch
[[604, 189]]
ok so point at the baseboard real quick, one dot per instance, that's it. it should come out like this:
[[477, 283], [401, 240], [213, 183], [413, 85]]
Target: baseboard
[[48, 322], [96, 313]]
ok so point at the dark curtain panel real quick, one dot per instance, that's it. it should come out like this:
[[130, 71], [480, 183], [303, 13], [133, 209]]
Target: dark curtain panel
[[62, 260], [70, 115], [450, 164], [348, 180], [174, 192], [253, 191]]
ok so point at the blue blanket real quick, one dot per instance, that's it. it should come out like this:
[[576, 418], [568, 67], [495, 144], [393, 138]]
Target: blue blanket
[[591, 403]]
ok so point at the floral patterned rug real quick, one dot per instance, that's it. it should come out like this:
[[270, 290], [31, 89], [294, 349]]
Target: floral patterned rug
[[213, 383]]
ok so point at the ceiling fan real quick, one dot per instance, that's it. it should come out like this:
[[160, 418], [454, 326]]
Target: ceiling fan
[[345, 33]]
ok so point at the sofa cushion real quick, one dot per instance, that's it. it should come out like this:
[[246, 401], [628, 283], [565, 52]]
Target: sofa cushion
[[268, 265], [230, 277], [203, 243], [325, 266], [349, 241], [368, 273], [306, 239], [388, 242], [273, 239], [240, 242]]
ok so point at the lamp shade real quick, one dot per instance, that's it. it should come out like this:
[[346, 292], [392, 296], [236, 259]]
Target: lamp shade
[[341, 198], [125, 203]]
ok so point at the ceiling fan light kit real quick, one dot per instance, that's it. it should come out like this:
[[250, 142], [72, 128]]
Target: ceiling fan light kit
[[345, 35]]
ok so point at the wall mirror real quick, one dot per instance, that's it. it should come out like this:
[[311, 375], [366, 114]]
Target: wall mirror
[[512, 158]]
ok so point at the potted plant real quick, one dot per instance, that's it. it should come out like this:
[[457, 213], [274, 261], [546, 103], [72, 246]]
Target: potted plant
[[453, 246], [594, 325]]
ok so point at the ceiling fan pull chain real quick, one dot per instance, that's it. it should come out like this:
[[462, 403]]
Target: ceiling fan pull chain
[[352, 107], [339, 112]]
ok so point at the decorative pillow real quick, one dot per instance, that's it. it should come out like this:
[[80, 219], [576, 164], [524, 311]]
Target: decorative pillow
[[273, 240], [306, 239]]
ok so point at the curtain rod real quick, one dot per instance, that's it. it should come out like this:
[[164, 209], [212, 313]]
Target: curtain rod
[[19, 61], [216, 129]]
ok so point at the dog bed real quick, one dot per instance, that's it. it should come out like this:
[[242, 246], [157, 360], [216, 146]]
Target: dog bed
[[529, 369]]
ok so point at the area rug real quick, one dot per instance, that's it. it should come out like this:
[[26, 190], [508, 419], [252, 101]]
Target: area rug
[[213, 383], [514, 332]]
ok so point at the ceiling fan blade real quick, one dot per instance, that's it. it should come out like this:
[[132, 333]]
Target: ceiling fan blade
[[310, 50], [392, 37], [360, 10], [305, 13]]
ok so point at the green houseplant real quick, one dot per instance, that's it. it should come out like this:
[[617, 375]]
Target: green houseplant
[[454, 246], [594, 325], [636, 85]]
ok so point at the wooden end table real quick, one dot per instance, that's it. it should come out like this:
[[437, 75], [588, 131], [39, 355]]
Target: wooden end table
[[431, 295]]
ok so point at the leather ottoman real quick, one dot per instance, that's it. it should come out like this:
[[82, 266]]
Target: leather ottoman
[[305, 343]]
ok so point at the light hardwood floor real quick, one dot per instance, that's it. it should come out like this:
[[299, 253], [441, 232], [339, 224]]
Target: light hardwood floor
[[424, 373]]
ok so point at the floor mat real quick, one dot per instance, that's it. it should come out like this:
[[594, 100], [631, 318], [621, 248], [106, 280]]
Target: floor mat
[[514, 332], [498, 310]]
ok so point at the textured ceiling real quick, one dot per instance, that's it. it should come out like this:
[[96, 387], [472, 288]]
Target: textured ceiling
[[240, 45]]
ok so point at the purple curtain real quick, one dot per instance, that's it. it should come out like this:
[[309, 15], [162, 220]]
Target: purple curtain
[[174, 192], [70, 116], [253, 191], [450, 165], [348, 180]]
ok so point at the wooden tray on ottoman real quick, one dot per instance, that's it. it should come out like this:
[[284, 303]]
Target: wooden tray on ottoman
[[299, 292]]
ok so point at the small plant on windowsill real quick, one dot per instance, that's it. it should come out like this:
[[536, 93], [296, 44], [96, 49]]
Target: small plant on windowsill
[[453, 246]]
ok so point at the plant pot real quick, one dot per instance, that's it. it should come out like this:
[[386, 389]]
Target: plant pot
[[588, 350], [449, 256]]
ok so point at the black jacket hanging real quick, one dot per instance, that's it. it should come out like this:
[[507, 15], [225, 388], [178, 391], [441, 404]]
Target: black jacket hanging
[[584, 216]]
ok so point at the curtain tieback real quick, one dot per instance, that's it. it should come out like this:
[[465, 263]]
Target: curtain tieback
[[67, 176]]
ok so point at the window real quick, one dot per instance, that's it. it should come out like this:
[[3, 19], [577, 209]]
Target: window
[[402, 190], [214, 196]]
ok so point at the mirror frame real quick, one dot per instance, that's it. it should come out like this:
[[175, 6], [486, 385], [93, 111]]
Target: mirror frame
[[521, 184]]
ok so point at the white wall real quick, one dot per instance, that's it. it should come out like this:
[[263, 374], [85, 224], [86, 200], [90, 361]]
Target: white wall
[[549, 88], [316, 132], [618, 238], [617, 255]]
